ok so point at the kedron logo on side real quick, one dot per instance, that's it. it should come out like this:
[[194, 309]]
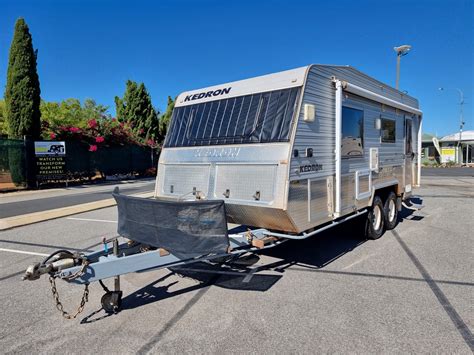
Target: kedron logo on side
[[312, 167], [203, 95]]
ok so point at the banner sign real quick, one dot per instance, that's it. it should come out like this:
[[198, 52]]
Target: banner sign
[[448, 154], [50, 160]]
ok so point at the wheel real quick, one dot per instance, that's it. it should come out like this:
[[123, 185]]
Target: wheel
[[111, 301], [390, 211], [375, 220]]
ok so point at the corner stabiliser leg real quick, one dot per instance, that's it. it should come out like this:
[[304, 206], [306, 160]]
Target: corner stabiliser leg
[[111, 301]]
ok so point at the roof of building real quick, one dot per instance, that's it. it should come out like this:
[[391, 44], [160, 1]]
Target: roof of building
[[427, 137], [454, 137]]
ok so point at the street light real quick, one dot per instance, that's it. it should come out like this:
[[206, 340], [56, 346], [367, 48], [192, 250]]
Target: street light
[[461, 120], [401, 51]]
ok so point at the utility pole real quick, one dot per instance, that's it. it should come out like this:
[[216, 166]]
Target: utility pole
[[461, 118], [401, 51]]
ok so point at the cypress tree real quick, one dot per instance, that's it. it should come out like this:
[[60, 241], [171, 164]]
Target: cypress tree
[[3, 125], [22, 93], [123, 105], [166, 118], [136, 109]]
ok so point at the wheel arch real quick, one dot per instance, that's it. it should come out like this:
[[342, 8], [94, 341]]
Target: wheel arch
[[383, 191]]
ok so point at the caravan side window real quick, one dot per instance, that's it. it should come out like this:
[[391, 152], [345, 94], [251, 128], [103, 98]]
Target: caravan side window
[[352, 133], [388, 130]]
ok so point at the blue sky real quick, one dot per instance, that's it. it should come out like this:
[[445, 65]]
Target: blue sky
[[90, 48]]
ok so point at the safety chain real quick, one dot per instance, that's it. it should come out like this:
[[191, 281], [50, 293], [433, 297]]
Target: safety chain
[[78, 273], [59, 305]]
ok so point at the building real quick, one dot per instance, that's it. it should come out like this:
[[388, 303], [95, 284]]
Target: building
[[429, 154], [453, 150]]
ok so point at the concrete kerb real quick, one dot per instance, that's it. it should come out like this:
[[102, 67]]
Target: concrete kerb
[[30, 218]]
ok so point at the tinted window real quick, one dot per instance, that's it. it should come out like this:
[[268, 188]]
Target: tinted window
[[256, 118], [388, 131], [352, 132]]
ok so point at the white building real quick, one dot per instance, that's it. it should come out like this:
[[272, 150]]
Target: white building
[[450, 148]]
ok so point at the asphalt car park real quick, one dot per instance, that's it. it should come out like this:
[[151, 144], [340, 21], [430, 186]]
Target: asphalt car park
[[410, 291]]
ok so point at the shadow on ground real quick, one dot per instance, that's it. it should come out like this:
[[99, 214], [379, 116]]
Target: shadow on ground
[[315, 253]]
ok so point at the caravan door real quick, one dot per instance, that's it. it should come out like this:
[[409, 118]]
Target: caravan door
[[409, 154]]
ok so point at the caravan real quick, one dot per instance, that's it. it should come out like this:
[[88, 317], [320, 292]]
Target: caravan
[[294, 150]]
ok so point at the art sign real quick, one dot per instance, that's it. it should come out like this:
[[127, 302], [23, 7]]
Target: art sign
[[50, 160]]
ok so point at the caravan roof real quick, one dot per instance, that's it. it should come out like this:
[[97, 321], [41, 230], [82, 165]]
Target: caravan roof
[[259, 109], [282, 80]]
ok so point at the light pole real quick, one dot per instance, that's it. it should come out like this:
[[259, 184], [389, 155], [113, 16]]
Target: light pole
[[461, 119], [401, 51]]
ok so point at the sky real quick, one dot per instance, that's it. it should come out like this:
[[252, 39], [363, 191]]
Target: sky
[[89, 48]]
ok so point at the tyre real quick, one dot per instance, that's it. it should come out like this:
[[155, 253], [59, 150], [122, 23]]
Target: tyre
[[390, 211], [375, 225]]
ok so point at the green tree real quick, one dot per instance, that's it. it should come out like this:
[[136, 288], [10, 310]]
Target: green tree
[[22, 93], [166, 118], [92, 110], [71, 112], [123, 105], [136, 109]]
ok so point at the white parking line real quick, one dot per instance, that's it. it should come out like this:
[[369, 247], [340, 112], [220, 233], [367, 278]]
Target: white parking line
[[358, 261], [91, 220], [23, 252]]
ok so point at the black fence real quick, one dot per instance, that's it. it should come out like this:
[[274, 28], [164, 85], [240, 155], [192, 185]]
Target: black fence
[[19, 169], [13, 164]]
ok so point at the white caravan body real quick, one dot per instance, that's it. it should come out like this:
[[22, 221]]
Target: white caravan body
[[292, 150]]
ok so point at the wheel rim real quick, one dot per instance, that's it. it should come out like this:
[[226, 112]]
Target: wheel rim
[[391, 210], [377, 218]]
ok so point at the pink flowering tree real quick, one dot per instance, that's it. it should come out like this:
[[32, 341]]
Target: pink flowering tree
[[99, 133], [103, 145]]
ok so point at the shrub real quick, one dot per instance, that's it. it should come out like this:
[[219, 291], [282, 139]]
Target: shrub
[[17, 163]]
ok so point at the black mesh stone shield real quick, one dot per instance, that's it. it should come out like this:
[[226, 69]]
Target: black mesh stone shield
[[186, 229]]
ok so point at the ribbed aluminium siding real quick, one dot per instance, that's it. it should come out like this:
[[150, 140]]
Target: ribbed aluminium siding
[[353, 76], [320, 134]]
